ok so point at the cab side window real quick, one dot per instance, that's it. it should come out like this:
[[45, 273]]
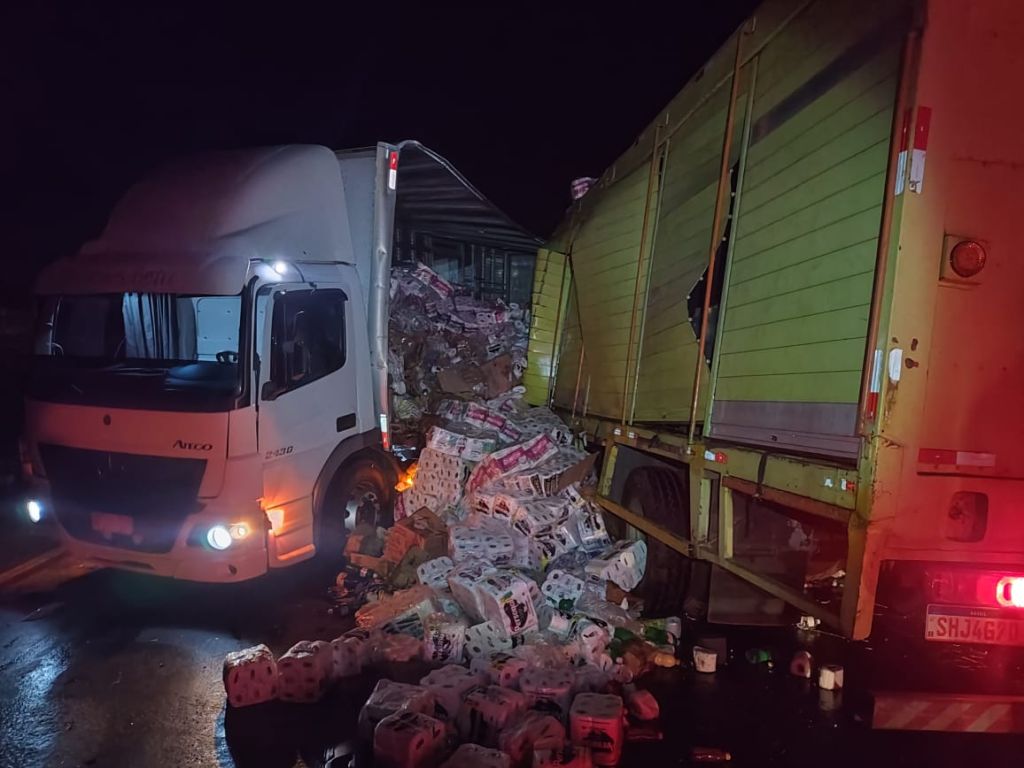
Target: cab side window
[[307, 337]]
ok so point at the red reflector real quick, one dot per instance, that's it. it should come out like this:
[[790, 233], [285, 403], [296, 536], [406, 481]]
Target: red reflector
[[1010, 592], [936, 456], [393, 164], [967, 258]]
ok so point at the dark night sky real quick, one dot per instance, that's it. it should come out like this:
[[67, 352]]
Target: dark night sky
[[521, 102]]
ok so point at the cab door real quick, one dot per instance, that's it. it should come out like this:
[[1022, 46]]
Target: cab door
[[307, 402]]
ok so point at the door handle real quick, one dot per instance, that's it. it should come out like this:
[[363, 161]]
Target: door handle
[[345, 422]]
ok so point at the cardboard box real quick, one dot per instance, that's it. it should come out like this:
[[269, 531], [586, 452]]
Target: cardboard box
[[422, 529]]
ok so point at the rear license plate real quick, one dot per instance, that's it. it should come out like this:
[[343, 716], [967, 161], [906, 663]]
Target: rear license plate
[[109, 525], [956, 624]]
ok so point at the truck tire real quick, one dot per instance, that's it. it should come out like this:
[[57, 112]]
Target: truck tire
[[657, 493], [362, 493]]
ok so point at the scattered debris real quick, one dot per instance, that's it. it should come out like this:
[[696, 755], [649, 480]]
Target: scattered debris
[[709, 755], [808, 623], [704, 659], [830, 677], [801, 665], [641, 703]]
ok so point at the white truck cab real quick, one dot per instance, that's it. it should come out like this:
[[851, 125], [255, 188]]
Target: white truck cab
[[209, 394]]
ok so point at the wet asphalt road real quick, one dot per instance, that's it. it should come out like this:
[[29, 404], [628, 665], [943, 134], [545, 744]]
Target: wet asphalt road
[[114, 669]]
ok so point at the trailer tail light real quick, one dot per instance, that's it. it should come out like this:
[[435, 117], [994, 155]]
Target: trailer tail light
[[967, 258], [385, 434], [1010, 591], [971, 586]]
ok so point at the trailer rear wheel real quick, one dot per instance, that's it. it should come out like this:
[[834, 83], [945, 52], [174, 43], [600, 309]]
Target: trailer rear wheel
[[658, 494]]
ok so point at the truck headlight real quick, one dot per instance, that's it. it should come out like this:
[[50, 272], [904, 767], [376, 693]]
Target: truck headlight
[[35, 510], [218, 537]]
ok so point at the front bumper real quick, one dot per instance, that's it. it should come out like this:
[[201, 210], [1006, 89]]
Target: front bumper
[[243, 560]]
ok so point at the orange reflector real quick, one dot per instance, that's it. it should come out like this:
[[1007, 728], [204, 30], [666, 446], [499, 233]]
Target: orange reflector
[[276, 518]]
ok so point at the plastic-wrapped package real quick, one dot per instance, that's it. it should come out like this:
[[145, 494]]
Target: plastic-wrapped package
[[569, 756], [562, 589], [641, 703], [505, 601], [593, 534], [592, 637], [548, 690], [389, 697], [485, 712], [486, 638], [540, 516], [595, 722], [305, 672], [450, 684], [489, 543], [250, 676], [499, 668], [534, 730], [443, 637], [466, 441], [592, 679], [402, 612], [623, 564], [516, 458], [408, 740], [475, 756], [366, 645], [347, 653], [463, 580], [434, 573], [398, 648]]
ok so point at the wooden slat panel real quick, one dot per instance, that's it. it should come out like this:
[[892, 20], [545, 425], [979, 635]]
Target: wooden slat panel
[[549, 271], [806, 237], [605, 254], [669, 346]]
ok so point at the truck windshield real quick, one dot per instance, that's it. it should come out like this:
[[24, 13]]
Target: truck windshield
[[122, 347]]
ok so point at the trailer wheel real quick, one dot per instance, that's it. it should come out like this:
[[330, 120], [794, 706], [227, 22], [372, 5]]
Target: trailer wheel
[[657, 493], [362, 493]]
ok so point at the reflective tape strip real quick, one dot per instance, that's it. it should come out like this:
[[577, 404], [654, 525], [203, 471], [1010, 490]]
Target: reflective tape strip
[[932, 712]]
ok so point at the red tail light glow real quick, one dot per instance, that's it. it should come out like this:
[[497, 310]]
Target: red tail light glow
[[1010, 591], [972, 586]]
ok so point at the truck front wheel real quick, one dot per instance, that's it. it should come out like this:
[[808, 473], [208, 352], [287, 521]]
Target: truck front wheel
[[362, 493]]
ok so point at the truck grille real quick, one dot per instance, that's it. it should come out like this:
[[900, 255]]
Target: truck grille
[[157, 494]]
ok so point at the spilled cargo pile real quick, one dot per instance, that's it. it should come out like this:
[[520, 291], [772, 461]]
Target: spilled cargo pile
[[444, 343], [498, 572]]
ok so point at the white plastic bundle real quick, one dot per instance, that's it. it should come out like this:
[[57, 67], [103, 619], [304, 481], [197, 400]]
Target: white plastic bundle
[[534, 731], [434, 573], [305, 672], [347, 654], [562, 589], [595, 722], [624, 564], [475, 756], [250, 676], [389, 697], [500, 668], [443, 638], [505, 600], [548, 690], [486, 712], [408, 740], [449, 686]]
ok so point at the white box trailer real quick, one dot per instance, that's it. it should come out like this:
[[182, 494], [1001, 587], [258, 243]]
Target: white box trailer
[[209, 394]]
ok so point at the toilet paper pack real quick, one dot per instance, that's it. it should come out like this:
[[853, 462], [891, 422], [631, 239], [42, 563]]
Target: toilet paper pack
[[250, 676], [408, 740], [305, 672]]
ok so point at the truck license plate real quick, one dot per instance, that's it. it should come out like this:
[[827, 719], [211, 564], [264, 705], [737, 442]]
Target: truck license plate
[[109, 525], [956, 624]]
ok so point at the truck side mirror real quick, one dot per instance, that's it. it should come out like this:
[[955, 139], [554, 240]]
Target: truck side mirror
[[269, 391]]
